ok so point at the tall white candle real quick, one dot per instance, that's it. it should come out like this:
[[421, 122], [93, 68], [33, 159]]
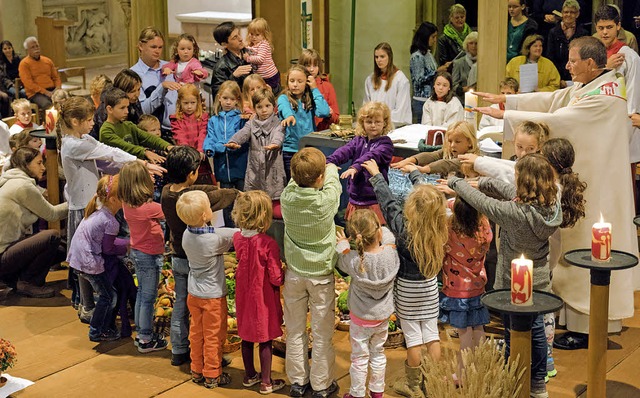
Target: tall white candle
[[470, 101], [521, 281]]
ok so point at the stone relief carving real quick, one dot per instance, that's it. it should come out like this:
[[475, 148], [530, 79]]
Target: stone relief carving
[[91, 36]]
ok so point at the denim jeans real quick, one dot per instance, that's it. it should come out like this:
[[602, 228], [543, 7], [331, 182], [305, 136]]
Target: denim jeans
[[416, 110], [102, 318], [180, 314], [148, 268], [538, 346]]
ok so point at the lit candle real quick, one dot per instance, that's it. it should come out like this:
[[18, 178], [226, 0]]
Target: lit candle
[[601, 241], [51, 117], [470, 101], [521, 281]]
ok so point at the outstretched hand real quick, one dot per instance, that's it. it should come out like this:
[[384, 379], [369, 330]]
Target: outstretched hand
[[372, 167], [232, 145], [290, 121], [493, 112], [493, 98], [350, 173]]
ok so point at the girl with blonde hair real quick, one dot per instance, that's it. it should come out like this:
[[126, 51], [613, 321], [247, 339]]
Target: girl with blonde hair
[[459, 139], [371, 142], [372, 267], [260, 53], [421, 232]]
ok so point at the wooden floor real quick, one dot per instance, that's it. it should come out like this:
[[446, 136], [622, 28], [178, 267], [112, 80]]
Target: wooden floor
[[55, 352]]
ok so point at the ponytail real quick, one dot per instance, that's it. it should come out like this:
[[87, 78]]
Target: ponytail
[[363, 227], [359, 244], [107, 188]]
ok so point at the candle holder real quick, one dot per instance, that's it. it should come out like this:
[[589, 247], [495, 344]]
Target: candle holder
[[599, 311], [522, 318]]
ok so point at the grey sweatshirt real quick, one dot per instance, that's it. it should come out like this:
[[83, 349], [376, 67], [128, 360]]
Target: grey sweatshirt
[[371, 291], [524, 229]]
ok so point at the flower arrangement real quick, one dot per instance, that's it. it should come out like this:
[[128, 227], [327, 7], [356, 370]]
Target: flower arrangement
[[8, 355]]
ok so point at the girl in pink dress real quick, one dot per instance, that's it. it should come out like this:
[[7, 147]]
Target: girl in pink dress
[[184, 65], [258, 279]]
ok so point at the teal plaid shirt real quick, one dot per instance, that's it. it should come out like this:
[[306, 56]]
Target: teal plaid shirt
[[309, 229]]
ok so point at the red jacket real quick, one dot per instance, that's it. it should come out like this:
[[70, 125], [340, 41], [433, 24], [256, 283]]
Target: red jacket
[[329, 94], [258, 278], [189, 131], [463, 270]]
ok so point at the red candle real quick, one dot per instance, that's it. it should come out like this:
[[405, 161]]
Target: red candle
[[601, 241], [521, 281]]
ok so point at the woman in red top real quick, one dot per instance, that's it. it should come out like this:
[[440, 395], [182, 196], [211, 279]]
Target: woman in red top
[[258, 279], [464, 276], [311, 60]]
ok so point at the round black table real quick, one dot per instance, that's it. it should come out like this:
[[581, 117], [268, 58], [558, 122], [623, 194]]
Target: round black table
[[599, 311], [522, 317], [51, 164]]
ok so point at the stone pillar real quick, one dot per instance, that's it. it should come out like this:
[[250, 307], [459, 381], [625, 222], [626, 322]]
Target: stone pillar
[[140, 14]]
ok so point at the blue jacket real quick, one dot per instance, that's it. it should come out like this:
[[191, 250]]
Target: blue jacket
[[228, 165], [304, 118]]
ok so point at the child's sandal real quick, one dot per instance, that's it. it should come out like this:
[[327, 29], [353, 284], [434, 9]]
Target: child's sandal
[[214, 382], [197, 378]]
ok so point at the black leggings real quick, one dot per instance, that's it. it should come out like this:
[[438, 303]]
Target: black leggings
[[29, 259]]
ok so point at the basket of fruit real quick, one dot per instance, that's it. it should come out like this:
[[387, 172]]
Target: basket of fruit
[[231, 344], [396, 337]]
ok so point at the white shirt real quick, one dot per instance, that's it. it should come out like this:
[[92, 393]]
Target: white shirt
[[398, 98]]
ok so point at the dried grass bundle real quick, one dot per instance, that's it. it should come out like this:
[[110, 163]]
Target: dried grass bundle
[[485, 374]]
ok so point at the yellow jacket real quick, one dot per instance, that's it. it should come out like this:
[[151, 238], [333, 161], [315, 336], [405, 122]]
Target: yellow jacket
[[548, 76]]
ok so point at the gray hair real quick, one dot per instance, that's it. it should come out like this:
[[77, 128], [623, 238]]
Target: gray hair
[[473, 36], [590, 47], [571, 4], [29, 40]]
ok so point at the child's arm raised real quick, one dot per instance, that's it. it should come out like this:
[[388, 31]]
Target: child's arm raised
[[391, 210], [240, 137], [285, 111], [346, 256], [381, 151], [503, 213], [223, 241], [213, 142], [322, 108], [150, 140], [277, 138], [345, 153], [169, 68], [332, 188]]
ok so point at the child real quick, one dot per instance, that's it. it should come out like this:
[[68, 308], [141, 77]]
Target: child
[[443, 108], [464, 276], [189, 124], [229, 166], [96, 86], [259, 55], [421, 232], [184, 65], [150, 124], [93, 255], [147, 246], [265, 170], [258, 278], [528, 214], [459, 139], [373, 267], [560, 154], [310, 59], [370, 142], [528, 138], [57, 98], [508, 86], [182, 172], [130, 82], [252, 83], [207, 298], [299, 103], [24, 138], [309, 203], [116, 131], [22, 111]]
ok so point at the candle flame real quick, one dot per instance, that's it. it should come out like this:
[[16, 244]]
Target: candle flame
[[601, 218], [522, 256]]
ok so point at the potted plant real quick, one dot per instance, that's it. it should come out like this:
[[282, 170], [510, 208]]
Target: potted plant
[[8, 356]]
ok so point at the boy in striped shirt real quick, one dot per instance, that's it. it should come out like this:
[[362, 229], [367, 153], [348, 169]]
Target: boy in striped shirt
[[309, 203]]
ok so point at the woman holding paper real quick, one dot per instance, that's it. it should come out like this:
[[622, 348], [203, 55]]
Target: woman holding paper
[[521, 69]]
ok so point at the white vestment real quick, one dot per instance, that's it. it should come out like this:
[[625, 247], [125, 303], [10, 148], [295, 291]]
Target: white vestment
[[593, 117]]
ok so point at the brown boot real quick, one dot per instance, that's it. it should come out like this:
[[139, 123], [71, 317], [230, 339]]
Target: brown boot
[[411, 384], [30, 290]]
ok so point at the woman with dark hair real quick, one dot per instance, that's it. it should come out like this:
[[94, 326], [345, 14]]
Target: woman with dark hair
[[25, 259], [518, 28], [548, 76], [11, 60], [389, 85], [423, 66]]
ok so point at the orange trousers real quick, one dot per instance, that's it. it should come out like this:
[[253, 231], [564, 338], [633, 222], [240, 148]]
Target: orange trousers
[[207, 334]]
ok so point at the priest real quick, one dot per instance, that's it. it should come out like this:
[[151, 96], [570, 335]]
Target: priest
[[592, 115]]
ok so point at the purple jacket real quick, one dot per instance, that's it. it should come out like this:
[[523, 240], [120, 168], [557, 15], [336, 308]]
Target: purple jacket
[[359, 150]]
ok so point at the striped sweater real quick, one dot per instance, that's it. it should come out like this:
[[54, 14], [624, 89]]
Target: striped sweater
[[262, 58]]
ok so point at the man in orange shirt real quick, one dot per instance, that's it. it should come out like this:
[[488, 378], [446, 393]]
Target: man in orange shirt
[[38, 74]]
